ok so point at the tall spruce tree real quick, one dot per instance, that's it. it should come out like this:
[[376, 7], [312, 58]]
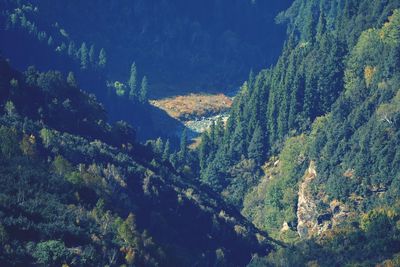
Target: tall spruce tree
[[72, 50], [84, 56], [183, 146], [166, 153], [71, 79], [144, 90], [159, 146], [102, 58], [204, 150], [92, 58], [256, 147], [133, 91]]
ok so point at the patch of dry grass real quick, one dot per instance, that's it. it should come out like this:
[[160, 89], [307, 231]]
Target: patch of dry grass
[[194, 105]]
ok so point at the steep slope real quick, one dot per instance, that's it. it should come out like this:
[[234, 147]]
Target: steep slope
[[348, 201], [181, 45], [309, 77], [325, 119], [28, 42], [83, 193]]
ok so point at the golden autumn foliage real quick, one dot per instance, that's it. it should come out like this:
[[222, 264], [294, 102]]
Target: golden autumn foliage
[[369, 72], [381, 215]]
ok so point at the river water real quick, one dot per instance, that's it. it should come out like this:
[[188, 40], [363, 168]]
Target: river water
[[200, 125]]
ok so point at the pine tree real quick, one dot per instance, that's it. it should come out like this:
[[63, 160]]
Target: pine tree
[[71, 49], [159, 146], [92, 59], [102, 58], [71, 79], [219, 130], [10, 109], [256, 147], [238, 142], [251, 79], [212, 136], [320, 26], [133, 93], [166, 153], [204, 150], [144, 90], [50, 41], [84, 56], [183, 147]]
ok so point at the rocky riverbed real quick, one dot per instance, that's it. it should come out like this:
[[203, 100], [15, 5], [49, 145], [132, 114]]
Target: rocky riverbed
[[202, 124], [197, 111]]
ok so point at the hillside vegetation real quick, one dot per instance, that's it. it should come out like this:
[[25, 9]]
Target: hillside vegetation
[[305, 170], [310, 151], [84, 193]]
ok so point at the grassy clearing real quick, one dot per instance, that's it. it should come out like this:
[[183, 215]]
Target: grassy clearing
[[194, 106]]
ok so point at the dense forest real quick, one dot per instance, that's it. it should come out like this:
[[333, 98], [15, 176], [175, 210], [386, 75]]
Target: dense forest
[[174, 47], [181, 45], [304, 172], [85, 193], [310, 151]]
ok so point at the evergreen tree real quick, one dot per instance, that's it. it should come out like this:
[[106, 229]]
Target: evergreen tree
[[144, 90], [219, 130], [50, 41], [10, 109], [133, 92], [84, 56], [238, 142], [204, 150], [320, 26], [166, 153], [251, 79], [71, 79], [71, 49], [183, 147], [256, 147], [92, 58], [102, 58], [211, 137], [159, 146]]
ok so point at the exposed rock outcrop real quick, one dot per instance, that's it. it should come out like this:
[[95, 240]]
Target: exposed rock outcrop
[[314, 214], [306, 206]]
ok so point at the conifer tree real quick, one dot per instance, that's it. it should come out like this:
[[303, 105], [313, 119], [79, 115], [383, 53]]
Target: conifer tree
[[92, 59], [10, 109], [204, 150], [133, 92], [71, 49], [183, 147], [144, 88], [102, 58], [84, 56], [166, 153], [237, 144], [256, 147], [251, 79], [159, 146], [71, 79], [50, 41]]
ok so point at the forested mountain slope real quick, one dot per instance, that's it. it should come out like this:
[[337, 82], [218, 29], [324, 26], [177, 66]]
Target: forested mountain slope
[[28, 42], [348, 199], [181, 45], [311, 150], [310, 153], [84, 193]]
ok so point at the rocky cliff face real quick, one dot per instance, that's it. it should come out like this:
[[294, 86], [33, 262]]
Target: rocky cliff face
[[307, 207], [315, 214]]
